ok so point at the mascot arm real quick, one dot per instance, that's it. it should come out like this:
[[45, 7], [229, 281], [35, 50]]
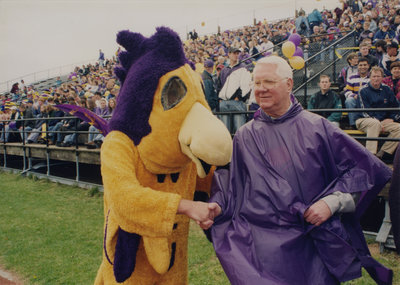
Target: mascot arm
[[136, 209]]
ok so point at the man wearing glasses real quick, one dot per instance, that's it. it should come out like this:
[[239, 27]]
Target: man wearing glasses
[[287, 210]]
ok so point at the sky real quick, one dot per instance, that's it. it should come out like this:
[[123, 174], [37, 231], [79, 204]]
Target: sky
[[48, 37]]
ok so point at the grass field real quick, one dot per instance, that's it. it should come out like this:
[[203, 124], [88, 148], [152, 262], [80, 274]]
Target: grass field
[[52, 234]]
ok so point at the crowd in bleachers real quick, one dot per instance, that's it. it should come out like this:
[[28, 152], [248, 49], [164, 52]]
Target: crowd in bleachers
[[217, 57]]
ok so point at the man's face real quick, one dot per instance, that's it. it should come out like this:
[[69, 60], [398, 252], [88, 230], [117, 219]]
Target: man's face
[[271, 91], [233, 57], [376, 79], [363, 67], [324, 84], [391, 51], [364, 50]]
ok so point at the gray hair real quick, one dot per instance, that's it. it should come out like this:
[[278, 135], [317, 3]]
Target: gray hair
[[283, 68]]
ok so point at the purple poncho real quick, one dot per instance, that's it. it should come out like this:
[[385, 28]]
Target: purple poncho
[[278, 169]]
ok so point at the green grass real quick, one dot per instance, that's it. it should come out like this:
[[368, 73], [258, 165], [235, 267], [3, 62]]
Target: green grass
[[52, 234]]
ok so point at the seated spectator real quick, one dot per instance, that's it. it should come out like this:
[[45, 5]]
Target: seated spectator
[[377, 95], [393, 81], [365, 52], [266, 46], [23, 125], [354, 84], [326, 99], [37, 129], [95, 138], [347, 71], [54, 124], [392, 55], [385, 33], [380, 49], [366, 33]]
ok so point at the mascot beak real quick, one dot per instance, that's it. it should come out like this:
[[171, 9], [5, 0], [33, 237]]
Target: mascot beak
[[203, 137]]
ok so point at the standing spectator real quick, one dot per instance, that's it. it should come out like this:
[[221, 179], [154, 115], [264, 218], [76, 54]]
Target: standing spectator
[[302, 26], [392, 55], [326, 99], [393, 81], [209, 87], [234, 90], [377, 95], [314, 18], [193, 35], [101, 58], [354, 84]]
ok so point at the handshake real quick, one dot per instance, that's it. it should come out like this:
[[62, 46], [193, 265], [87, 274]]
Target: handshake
[[202, 213]]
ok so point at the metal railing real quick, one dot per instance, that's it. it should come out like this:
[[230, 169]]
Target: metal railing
[[34, 77], [77, 147]]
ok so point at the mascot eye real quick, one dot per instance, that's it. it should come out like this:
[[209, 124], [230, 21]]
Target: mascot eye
[[173, 92]]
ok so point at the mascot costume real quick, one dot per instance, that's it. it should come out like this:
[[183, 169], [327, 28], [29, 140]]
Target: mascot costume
[[163, 139]]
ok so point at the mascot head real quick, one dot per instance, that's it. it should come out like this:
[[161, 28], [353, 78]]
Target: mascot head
[[161, 106]]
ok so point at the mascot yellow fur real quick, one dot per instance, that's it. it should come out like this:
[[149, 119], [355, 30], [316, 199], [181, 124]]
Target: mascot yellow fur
[[162, 142]]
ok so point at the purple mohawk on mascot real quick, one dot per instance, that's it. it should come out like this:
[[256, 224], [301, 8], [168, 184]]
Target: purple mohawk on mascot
[[142, 65]]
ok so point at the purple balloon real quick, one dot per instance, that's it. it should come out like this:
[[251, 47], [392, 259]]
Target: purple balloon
[[298, 52], [295, 38]]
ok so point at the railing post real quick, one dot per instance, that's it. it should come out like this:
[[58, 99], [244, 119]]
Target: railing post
[[334, 63], [305, 86], [47, 147]]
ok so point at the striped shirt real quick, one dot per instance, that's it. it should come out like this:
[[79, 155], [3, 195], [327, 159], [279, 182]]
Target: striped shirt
[[354, 84]]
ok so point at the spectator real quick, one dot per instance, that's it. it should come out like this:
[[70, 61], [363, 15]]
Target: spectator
[[393, 81], [354, 84], [366, 33], [95, 138], [234, 90], [267, 47], [380, 49], [23, 125], [37, 129], [314, 18], [347, 71], [326, 99], [302, 26], [377, 95], [209, 87], [55, 113], [365, 52], [385, 33], [10, 129], [392, 55], [101, 58]]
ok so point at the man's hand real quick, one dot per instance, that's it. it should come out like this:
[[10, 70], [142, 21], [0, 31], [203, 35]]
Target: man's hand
[[317, 213], [215, 210], [197, 211]]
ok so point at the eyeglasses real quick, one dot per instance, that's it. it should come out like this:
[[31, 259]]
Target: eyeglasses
[[267, 84]]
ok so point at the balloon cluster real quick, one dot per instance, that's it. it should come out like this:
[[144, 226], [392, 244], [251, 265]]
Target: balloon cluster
[[293, 52]]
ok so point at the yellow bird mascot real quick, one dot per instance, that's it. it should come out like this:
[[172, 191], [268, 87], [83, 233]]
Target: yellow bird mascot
[[163, 139]]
